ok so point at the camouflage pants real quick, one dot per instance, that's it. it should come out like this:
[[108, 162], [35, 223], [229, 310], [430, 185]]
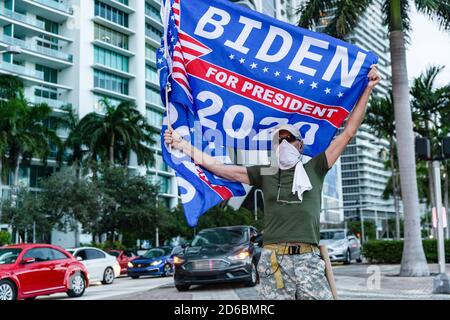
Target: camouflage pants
[[303, 277]]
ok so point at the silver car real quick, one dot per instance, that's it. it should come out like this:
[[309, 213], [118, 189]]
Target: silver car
[[343, 246]]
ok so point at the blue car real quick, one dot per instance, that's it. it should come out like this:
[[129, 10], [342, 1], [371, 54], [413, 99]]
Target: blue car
[[155, 262]]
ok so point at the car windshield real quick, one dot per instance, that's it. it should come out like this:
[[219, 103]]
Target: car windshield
[[9, 256], [220, 237], [332, 235], [154, 253]]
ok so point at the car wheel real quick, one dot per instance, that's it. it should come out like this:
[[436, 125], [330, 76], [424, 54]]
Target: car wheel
[[348, 258], [134, 277], [8, 291], [182, 287], [167, 270], [359, 260], [108, 276], [77, 285], [253, 276]]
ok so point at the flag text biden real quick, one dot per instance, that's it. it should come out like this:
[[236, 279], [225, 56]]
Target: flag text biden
[[213, 24]]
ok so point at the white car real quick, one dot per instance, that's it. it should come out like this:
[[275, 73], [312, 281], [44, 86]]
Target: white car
[[101, 265]]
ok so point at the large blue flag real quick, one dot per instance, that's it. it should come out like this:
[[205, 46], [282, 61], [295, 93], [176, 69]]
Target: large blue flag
[[234, 74]]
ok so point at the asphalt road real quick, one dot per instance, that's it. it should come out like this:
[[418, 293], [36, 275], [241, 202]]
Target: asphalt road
[[354, 282]]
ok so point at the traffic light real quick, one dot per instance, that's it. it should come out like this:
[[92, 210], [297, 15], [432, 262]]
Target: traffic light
[[423, 149]]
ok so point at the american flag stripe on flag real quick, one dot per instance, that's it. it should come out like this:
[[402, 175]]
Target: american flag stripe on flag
[[183, 49]]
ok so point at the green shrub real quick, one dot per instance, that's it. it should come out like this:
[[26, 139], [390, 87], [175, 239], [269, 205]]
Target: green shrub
[[386, 251], [116, 245], [5, 238]]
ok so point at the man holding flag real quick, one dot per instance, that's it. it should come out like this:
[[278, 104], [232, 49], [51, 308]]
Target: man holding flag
[[202, 82]]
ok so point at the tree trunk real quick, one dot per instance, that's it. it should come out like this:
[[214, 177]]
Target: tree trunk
[[16, 172], [413, 262], [395, 189], [111, 149]]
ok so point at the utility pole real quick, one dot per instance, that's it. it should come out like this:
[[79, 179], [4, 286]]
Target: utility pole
[[440, 282]]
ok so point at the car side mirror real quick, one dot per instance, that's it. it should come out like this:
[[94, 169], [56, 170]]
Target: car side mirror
[[79, 258], [28, 260]]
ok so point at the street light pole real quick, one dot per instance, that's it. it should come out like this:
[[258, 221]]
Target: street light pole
[[440, 282]]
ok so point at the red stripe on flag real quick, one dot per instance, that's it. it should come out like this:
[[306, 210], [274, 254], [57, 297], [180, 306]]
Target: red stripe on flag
[[270, 96]]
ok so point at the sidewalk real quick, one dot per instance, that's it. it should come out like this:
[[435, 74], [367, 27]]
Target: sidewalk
[[357, 282]]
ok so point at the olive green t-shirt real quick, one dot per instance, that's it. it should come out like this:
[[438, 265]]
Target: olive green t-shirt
[[291, 221]]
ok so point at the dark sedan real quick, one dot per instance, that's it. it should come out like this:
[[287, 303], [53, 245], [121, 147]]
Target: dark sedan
[[218, 255]]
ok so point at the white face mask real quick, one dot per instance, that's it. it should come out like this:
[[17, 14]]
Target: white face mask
[[288, 155]]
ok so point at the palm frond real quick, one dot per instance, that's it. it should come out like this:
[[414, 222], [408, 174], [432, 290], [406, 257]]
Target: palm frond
[[437, 10]]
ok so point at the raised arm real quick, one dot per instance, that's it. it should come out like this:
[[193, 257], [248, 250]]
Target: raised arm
[[229, 172], [354, 121]]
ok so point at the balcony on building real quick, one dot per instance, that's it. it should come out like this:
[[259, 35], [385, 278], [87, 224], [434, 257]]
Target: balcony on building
[[33, 52], [26, 74], [55, 10]]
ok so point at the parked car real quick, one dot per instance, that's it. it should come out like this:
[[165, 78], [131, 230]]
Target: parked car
[[31, 270], [155, 262], [102, 266], [343, 246], [228, 254], [124, 257]]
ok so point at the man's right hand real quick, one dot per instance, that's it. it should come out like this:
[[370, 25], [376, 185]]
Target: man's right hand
[[172, 138]]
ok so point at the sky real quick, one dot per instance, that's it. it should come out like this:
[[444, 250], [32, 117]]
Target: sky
[[429, 46]]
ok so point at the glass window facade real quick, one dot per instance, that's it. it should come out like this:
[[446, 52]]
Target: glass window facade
[[111, 59], [151, 74], [155, 118], [111, 14], [50, 75], [110, 36], [153, 96], [152, 32], [110, 82]]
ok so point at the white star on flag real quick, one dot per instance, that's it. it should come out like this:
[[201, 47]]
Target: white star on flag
[[277, 74], [159, 60], [288, 77], [314, 85], [241, 61], [327, 90], [253, 65], [172, 39], [301, 81], [340, 95], [161, 50], [172, 18], [266, 69], [231, 56]]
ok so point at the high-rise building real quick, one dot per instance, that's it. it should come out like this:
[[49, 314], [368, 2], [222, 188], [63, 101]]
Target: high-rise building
[[81, 51]]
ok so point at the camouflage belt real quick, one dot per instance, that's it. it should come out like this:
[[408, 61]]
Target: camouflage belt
[[287, 249]]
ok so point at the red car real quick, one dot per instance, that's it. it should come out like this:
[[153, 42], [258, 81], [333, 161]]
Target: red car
[[124, 257], [31, 270]]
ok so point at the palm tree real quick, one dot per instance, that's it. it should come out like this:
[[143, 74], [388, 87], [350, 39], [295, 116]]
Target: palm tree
[[28, 134], [381, 123], [115, 134], [344, 16], [428, 104], [73, 149]]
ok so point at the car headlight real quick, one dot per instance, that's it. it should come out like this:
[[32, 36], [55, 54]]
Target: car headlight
[[178, 260], [130, 265], [240, 256], [155, 263]]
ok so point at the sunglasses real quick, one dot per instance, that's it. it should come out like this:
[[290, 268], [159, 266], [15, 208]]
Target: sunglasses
[[289, 139]]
